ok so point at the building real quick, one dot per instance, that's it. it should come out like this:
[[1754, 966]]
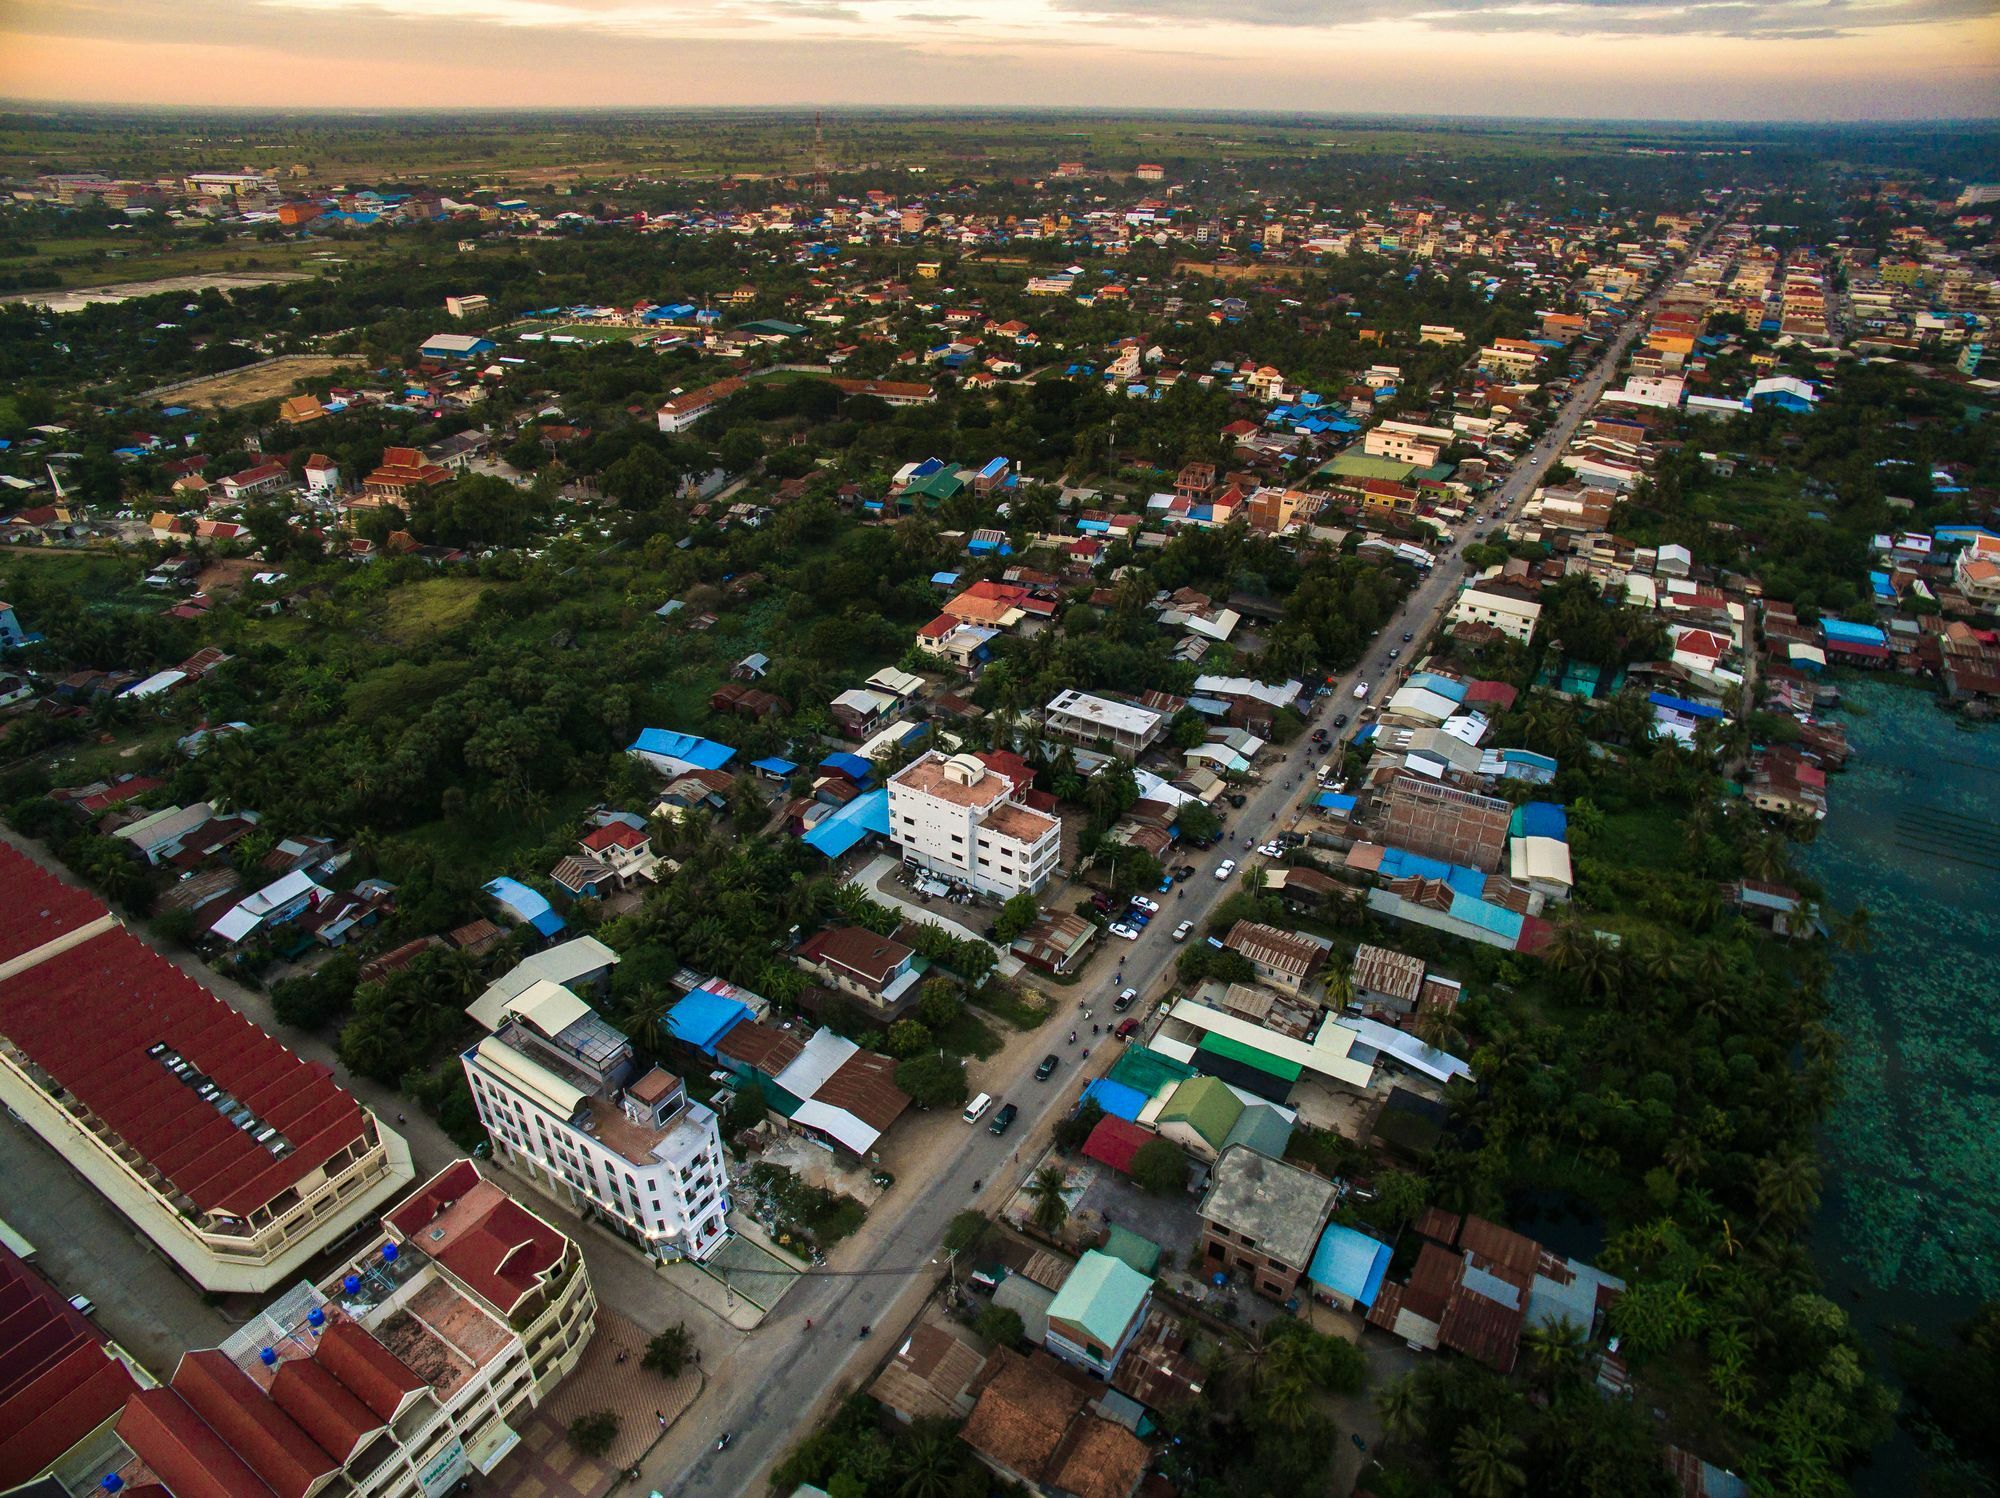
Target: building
[[462, 307], [1284, 959], [402, 472], [1383, 978], [252, 482], [1262, 1218], [1033, 1426], [1425, 817], [1097, 1312], [455, 346], [960, 819], [61, 1387], [1086, 719], [395, 1379], [561, 1094], [237, 1159], [683, 411], [1511, 610], [878, 970]]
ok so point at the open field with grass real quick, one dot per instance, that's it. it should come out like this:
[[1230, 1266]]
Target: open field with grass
[[244, 387], [108, 261]]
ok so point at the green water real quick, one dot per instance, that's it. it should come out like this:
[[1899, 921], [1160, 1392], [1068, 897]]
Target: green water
[[1909, 1228]]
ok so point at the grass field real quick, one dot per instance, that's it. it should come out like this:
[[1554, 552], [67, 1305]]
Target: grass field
[[590, 332], [106, 260], [415, 613], [244, 387]]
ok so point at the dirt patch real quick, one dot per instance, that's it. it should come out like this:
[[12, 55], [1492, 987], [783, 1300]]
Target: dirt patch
[[243, 387], [124, 291], [229, 576], [1239, 272]]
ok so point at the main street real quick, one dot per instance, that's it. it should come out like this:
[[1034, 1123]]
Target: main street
[[780, 1379]]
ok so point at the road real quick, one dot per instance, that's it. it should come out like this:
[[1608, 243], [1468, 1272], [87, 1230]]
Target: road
[[778, 1381]]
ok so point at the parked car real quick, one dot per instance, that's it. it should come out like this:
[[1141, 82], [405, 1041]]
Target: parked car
[[83, 1305], [1222, 871], [1048, 1067], [1124, 999], [1269, 850], [1236, 799], [1128, 933], [1101, 900], [1360, 690], [1127, 1028], [1184, 873], [1004, 1119], [1147, 904], [1137, 918], [1182, 930]]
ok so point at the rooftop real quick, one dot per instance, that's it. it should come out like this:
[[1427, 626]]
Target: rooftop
[[1280, 1207], [952, 780]]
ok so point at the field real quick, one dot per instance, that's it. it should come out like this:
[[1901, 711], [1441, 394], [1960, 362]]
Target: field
[[419, 611], [1251, 272], [244, 387], [106, 260], [590, 332]]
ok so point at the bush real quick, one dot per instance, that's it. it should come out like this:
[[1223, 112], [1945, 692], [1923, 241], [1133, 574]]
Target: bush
[[669, 1351], [1001, 1326], [1073, 1131], [317, 998], [592, 1434]]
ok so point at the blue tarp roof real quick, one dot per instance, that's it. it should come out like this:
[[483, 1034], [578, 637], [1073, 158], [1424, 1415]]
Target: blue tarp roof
[[703, 1018], [1853, 634], [1334, 801], [525, 905], [1349, 1263], [945, 579], [1444, 686], [1495, 918], [853, 766], [1401, 863], [1115, 1098], [1879, 581], [864, 814], [1528, 757], [772, 765], [703, 754], [1542, 819], [1682, 705]]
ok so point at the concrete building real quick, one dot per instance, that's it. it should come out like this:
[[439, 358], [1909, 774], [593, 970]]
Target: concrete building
[[561, 1095], [1262, 1218], [960, 819], [1097, 1312], [1513, 611], [474, 305], [683, 411], [237, 1159], [1086, 719], [394, 1379]]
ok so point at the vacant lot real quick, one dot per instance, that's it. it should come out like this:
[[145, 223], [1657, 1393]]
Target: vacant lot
[[1239, 272], [243, 387], [431, 608]]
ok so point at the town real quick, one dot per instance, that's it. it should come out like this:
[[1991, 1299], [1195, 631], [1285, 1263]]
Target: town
[[1133, 826]]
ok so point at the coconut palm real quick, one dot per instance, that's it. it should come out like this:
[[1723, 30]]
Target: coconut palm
[[1483, 1458], [1400, 1405], [1045, 1190], [1853, 931], [929, 1462], [1555, 1353], [1787, 1187]]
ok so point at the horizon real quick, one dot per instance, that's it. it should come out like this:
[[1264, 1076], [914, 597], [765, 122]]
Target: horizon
[[1609, 61]]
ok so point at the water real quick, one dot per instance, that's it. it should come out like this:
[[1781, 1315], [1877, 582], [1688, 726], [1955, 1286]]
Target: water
[[1909, 1228]]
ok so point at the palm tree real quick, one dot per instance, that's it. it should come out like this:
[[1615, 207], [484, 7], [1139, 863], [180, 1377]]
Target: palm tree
[[1853, 932], [1400, 1405], [1435, 1029], [1556, 1352], [1483, 1457], [929, 1462], [1286, 1402], [1046, 1191], [1787, 1187]]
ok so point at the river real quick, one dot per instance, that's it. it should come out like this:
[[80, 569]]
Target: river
[[1909, 1226]]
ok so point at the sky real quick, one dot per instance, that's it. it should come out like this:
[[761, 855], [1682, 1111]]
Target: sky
[[1611, 59]]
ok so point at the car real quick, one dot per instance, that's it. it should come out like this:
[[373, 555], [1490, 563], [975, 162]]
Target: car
[[1124, 999], [1127, 1028], [1224, 869], [1147, 904], [1236, 799], [1340, 720], [1360, 690], [1479, 535], [83, 1305], [1182, 931], [1048, 1067], [882, 1178], [1101, 900], [1184, 873], [1124, 932], [1408, 636], [1166, 883], [1395, 652], [1004, 1119], [1137, 918]]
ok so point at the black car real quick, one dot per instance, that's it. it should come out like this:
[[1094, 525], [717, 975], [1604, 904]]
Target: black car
[[1048, 1068], [1407, 635], [1236, 798], [1184, 873], [1341, 721], [1004, 1119]]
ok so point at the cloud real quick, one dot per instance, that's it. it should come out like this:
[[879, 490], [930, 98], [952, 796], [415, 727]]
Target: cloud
[[1786, 20]]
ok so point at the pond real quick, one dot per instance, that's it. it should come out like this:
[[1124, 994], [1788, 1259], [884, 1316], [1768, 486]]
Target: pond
[[1909, 1226]]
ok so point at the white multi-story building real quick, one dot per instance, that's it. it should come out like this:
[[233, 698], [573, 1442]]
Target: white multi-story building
[[1087, 719], [1508, 609], [1406, 442], [963, 820], [563, 1099]]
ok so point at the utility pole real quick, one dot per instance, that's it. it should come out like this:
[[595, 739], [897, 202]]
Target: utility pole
[[819, 184]]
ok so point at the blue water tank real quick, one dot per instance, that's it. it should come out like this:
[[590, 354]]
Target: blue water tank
[[352, 1284], [315, 1317], [266, 1356], [389, 1252], [111, 1482]]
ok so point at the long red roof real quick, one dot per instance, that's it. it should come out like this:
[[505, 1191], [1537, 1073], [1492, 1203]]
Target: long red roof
[[36, 907], [58, 1382]]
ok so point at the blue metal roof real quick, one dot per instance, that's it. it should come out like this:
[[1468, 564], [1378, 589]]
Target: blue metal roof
[[1682, 705], [525, 905], [1444, 686], [772, 765], [1115, 1098], [703, 1018], [1542, 819], [841, 831], [1495, 918], [853, 766], [1334, 801], [1349, 1263], [1853, 634], [666, 743]]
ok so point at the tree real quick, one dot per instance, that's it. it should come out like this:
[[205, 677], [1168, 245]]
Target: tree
[[1045, 1190], [740, 450], [908, 1037], [669, 1351], [1159, 1167], [933, 1081], [1483, 1459], [1016, 916], [1000, 1325], [938, 1005], [1400, 1405], [929, 1462], [1555, 1353], [746, 1109], [592, 1434]]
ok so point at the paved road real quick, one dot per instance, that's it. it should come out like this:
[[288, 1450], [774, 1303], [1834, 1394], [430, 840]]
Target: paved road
[[779, 1378]]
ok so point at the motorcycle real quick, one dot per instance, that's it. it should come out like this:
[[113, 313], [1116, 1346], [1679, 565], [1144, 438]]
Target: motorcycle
[[722, 1443]]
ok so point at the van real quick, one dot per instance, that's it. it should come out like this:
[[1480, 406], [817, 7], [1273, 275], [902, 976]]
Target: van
[[978, 1106]]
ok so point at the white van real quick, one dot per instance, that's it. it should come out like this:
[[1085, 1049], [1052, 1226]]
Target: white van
[[978, 1106], [1360, 690]]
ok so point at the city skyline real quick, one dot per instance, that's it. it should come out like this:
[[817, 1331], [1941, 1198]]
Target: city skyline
[[1593, 59]]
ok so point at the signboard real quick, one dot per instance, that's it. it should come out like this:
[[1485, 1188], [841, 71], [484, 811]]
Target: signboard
[[444, 1470]]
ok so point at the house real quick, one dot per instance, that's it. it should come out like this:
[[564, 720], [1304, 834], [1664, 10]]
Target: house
[[1032, 1427], [252, 482], [1284, 959], [878, 970], [1055, 941], [931, 1377], [1087, 719], [1383, 978], [1199, 1115], [1512, 610], [1097, 1312], [1262, 1218]]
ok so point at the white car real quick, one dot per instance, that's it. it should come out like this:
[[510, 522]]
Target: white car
[[1271, 850], [1182, 930], [1151, 907], [1360, 690], [1119, 928], [1224, 869]]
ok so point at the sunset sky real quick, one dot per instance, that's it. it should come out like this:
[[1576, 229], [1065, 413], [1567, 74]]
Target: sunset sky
[[1649, 59]]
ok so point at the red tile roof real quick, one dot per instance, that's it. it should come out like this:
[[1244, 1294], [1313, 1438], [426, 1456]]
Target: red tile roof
[[236, 1409], [323, 1406], [36, 907], [58, 1382], [88, 1018], [614, 835], [184, 1451], [372, 1373], [484, 1237]]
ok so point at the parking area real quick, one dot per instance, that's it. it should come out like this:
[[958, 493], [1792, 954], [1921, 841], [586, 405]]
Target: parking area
[[86, 1248], [749, 1269]]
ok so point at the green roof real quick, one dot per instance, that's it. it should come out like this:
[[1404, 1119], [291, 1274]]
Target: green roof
[[942, 485], [1263, 1129], [1206, 1105], [1146, 1071], [1143, 1254], [1101, 1295], [1361, 466], [1249, 1055]]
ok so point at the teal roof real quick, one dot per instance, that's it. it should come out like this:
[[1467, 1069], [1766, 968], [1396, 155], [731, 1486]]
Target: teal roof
[[1101, 1295], [1264, 1129], [1143, 1254]]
